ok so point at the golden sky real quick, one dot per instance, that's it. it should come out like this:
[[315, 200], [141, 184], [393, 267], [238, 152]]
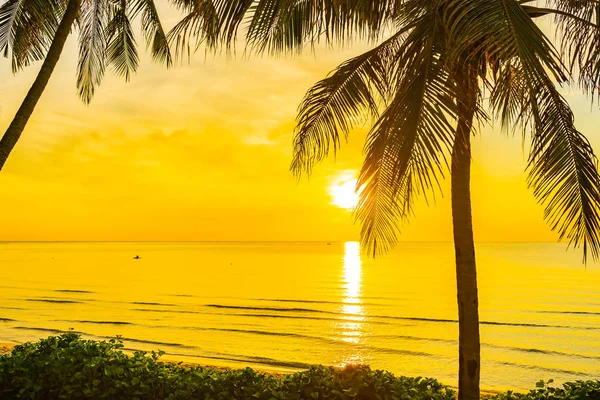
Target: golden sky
[[201, 152]]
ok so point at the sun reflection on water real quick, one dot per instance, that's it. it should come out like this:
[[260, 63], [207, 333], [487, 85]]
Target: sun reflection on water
[[351, 326]]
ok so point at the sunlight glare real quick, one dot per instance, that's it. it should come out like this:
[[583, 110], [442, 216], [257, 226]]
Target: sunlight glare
[[352, 272], [352, 307], [344, 193]]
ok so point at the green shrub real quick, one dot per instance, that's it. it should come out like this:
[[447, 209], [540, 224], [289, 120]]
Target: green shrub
[[68, 367], [360, 382], [589, 390]]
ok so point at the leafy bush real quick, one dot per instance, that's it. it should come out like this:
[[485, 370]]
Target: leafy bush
[[68, 367], [360, 382], [589, 390]]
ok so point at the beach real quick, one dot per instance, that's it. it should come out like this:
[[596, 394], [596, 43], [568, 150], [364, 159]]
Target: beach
[[226, 305], [6, 348]]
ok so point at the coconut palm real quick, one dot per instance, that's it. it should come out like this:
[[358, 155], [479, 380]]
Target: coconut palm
[[34, 30], [435, 68]]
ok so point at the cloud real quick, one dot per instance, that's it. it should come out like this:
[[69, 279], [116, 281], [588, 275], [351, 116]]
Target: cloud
[[202, 151]]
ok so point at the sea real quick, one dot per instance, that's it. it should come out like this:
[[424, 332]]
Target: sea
[[281, 306]]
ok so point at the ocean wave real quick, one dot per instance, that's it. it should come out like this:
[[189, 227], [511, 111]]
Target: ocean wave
[[98, 322], [499, 323], [314, 318], [422, 319], [316, 302], [408, 337], [251, 331], [280, 309], [388, 350], [539, 351], [545, 369], [570, 312], [497, 346], [247, 359], [72, 291], [370, 318], [267, 333], [166, 311], [50, 330], [55, 301], [156, 342], [531, 325]]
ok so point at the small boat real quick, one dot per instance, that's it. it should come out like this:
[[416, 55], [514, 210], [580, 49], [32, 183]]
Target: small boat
[[137, 257], [328, 243]]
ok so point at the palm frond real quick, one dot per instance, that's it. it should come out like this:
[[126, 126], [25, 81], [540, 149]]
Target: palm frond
[[280, 25], [155, 35], [288, 25], [406, 149], [197, 26], [121, 51], [9, 16], [563, 171], [579, 26], [275, 24], [501, 30], [510, 97], [562, 165], [335, 103], [27, 28], [92, 47], [231, 14], [518, 53]]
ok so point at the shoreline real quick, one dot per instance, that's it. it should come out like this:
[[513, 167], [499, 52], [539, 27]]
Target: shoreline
[[6, 348]]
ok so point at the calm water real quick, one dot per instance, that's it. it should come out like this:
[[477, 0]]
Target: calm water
[[279, 306]]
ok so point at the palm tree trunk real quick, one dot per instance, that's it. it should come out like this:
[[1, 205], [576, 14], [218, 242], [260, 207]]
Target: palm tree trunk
[[466, 273], [13, 133]]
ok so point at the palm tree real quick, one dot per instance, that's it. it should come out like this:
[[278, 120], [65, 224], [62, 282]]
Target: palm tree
[[424, 82], [33, 30]]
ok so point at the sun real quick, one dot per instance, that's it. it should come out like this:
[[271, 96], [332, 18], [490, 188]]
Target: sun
[[343, 193]]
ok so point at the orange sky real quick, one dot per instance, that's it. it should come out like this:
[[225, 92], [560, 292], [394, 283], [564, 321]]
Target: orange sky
[[201, 152]]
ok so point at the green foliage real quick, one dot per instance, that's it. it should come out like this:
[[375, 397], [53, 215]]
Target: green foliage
[[360, 382], [68, 367], [440, 61], [589, 390]]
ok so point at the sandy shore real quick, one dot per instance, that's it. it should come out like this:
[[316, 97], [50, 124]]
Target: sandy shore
[[6, 348]]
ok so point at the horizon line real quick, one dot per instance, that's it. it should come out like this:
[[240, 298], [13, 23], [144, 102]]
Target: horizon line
[[265, 241]]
